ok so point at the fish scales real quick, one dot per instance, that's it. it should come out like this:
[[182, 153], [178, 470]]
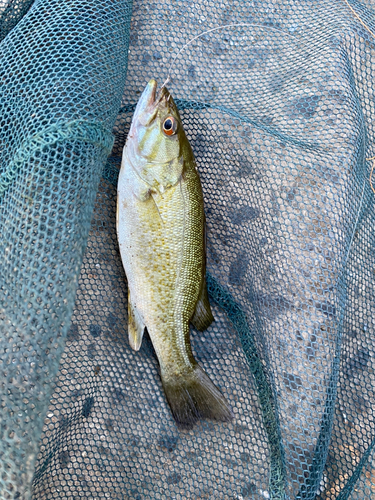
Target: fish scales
[[161, 233], [165, 262]]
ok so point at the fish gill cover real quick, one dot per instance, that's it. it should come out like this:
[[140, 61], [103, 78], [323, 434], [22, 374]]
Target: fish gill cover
[[280, 118]]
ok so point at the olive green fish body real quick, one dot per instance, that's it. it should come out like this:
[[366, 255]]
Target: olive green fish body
[[164, 259], [161, 226]]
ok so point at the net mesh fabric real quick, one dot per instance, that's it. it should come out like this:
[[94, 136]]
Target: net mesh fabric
[[279, 116]]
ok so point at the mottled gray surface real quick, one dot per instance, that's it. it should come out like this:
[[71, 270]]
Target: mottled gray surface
[[278, 150]]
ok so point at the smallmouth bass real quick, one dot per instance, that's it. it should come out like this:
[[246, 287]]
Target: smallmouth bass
[[161, 235]]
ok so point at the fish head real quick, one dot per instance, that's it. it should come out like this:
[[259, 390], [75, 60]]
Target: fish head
[[156, 139]]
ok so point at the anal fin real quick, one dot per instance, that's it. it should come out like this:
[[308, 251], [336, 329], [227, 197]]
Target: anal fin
[[202, 317], [135, 326]]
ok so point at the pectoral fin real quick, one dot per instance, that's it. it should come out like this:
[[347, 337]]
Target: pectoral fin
[[135, 326], [202, 317]]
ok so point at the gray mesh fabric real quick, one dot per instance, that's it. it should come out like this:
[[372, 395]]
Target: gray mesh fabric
[[279, 115]]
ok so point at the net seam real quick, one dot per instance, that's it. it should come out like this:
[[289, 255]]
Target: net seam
[[91, 132]]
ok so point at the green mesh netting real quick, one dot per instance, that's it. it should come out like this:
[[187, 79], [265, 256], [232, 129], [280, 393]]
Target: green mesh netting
[[280, 118]]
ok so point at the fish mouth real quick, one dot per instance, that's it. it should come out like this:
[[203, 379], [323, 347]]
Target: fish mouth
[[150, 92], [151, 99], [148, 97], [150, 102]]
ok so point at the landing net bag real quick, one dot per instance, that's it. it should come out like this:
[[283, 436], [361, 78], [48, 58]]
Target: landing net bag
[[280, 117]]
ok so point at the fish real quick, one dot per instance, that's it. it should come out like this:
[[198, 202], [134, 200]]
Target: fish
[[161, 232]]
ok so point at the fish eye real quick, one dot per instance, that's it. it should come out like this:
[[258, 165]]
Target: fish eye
[[169, 126]]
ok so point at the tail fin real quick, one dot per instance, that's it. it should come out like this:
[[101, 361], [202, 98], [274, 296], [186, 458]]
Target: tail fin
[[192, 396]]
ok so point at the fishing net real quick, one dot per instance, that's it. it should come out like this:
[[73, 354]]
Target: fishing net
[[280, 118]]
